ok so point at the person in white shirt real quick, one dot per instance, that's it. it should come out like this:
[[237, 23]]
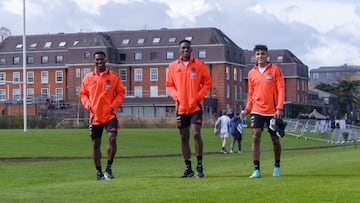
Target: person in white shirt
[[224, 131]]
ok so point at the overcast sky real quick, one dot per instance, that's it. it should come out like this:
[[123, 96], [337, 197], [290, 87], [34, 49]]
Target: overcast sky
[[320, 33]]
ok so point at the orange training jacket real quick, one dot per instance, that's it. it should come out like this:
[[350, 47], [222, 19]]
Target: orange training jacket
[[266, 91], [101, 95], [189, 85]]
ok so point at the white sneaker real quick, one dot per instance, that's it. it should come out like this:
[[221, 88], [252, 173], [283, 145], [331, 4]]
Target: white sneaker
[[231, 151]]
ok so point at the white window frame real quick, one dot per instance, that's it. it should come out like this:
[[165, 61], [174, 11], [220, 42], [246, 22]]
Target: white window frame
[[30, 77], [123, 74], [138, 91], [59, 76], [16, 77], [138, 74], [170, 55], [44, 77], [154, 74], [2, 77], [154, 91], [2, 95]]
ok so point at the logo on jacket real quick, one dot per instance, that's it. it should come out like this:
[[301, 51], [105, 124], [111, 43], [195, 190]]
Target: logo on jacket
[[108, 85], [269, 77], [193, 72]]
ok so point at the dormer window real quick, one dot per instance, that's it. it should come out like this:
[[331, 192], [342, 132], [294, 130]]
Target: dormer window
[[47, 45], [19, 46]]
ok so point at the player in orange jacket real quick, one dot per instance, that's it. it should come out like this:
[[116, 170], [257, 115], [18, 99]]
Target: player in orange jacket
[[189, 81], [101, 93], [266, 95]]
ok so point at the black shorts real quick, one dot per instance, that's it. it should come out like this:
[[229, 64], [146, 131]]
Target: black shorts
[[97, 130], [184, 120], [259, 121]]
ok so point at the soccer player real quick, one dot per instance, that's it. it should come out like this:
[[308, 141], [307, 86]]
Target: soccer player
[[189, 81], [266, 95], [101, 93]]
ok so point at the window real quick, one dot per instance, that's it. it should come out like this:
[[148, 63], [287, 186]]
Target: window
[[154, 91], [188, 38], [86, 54], [153, 74], [235, 74], [30, 77], [86, 71], [75, 42], [2, 60], [279, 59], [156, 40], [227, 73], [59, 59], [30, 92], [137, 56], [44, 77], [235, 93], [138, 74], [125, 41], [123, 74], [16, 77], [33, 45], [16, 94], [2, 94], [77, 72], [62, 44], [240, 75], [153, 56], [59, 94], [227, 91], [202, 54], [19, 46], [30, 60], [45, 93], [172, 40], [141, 41], [44, 59], [77, 89], [169, 55], [58, 76], [138, 91], [252, 59], [47, 45], [122, 56], [2, 77], [16, 60]]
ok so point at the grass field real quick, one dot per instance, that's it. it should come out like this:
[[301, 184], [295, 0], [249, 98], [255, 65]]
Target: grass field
[[52, 165]]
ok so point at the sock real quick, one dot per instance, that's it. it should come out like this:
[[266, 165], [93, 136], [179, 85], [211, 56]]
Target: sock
[[199, 159], [277, 163], [188, 164], [98, 168], [257, 164], [109, 164]]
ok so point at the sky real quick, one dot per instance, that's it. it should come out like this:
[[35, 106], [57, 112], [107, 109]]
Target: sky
[[319, 33]]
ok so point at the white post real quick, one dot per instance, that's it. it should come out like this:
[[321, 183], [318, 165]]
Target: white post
[[24, 69]]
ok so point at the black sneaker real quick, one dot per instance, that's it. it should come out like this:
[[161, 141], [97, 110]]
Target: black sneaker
[[281, 127], [199, 172], [100, 176], [108, 174], [188, 174]]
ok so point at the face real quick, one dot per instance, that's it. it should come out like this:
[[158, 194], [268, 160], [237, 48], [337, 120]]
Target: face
[[100, 62], [261, 57], [185, 51]]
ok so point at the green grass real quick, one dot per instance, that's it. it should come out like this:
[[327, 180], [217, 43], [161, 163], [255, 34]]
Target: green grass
[[308, 175]]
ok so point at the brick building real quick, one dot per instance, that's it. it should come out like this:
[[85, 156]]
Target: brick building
[[56, 64]]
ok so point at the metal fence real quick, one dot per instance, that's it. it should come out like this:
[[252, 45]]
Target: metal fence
[[321, 130]]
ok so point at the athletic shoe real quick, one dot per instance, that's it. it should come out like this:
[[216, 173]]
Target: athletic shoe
[[223, 151], [187, 174], [231, 151], [100, 176], [281, 128], [256, 174], [276, 171], [240, 152], [273, 125], [108, 174], [199, 172]]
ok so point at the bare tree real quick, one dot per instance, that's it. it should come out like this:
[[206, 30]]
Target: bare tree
[[4, 33]]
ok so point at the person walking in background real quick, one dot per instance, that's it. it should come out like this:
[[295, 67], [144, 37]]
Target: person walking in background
[[266, 95], [237, 131], [101, 93], [224, 131], [188, 82]]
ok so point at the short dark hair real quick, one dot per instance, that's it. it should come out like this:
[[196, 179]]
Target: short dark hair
[[185, 40], [99, 52], [260, 47]]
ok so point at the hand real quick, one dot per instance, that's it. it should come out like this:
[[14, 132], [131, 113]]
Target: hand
[[242, 114], [279, 114]]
